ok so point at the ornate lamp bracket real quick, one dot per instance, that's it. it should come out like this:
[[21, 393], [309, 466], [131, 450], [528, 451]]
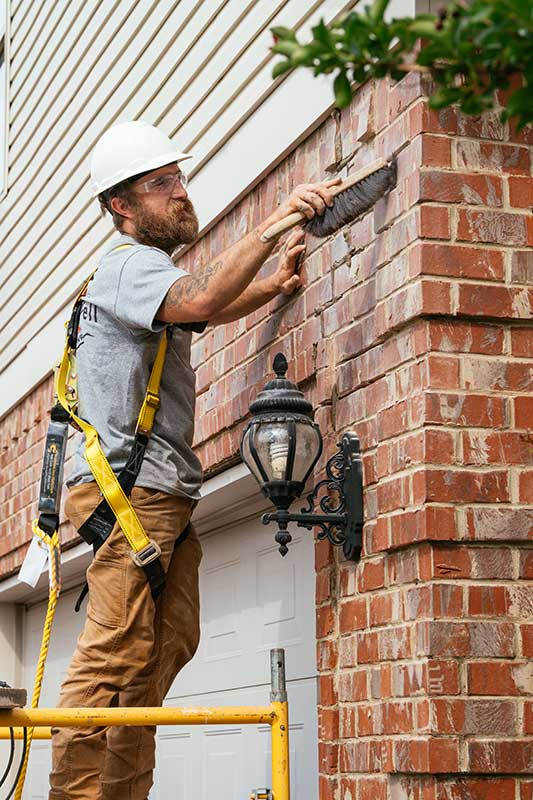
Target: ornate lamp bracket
[[340, 499]]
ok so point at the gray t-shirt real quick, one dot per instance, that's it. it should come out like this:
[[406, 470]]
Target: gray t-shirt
[[117, 342]]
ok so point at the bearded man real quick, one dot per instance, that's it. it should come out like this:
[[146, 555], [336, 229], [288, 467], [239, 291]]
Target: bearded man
[[135, 640]]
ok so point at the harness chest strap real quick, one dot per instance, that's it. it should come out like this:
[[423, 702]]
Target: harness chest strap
[[143, 549]]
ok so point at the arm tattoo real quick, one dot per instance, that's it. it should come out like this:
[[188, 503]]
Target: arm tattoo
[[189, 287]]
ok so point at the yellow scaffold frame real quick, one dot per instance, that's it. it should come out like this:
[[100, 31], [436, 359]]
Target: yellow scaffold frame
[[276, 715]]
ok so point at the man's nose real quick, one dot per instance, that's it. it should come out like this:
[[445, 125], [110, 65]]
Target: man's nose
[[179, 192]]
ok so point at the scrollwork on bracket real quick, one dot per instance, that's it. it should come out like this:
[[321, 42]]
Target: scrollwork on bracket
[[334, 483], [332, 532]]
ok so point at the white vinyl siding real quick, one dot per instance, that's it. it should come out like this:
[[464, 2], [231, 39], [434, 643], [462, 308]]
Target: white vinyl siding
[[199, 69], [4, 77]]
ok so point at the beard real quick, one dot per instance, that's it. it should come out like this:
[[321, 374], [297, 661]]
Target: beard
[[178, 225]]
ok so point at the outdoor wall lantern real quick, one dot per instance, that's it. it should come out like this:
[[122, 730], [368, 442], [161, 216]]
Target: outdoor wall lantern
[[281, 444]]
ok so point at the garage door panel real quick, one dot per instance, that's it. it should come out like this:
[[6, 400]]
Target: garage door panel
[[174, 765], [277, 581], [65, 631], [252, 600], [223, 761], [247, 748], [219, 593], [41, 763]]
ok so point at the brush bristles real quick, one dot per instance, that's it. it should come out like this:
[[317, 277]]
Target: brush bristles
[[353, 202]]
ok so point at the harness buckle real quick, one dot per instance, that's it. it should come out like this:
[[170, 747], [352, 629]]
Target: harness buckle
[[149, 553], [152, 400]]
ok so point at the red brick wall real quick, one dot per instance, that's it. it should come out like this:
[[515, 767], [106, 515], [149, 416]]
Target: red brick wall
[[424, 647], [22, 435], [414, 331]]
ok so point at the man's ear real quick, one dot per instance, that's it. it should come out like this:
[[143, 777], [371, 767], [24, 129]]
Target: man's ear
[[122, 207]]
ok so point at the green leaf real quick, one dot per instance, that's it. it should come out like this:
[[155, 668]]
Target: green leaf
[[524, 9], [283, 33], [377, 10], [444, 97], [425, 29], [343, 90], [481, 15], [302, 56], [285, 48], [520, 99], [356, 27], [323, 35], [281, 68]]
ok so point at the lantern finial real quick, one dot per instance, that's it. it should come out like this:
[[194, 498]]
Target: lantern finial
[[280, 365]]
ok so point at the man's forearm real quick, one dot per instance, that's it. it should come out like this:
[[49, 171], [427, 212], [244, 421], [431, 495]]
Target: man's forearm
[[202, 296], [254, 296], [215, 286]]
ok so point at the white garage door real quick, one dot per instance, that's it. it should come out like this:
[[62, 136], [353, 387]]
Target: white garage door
[[252, 600]]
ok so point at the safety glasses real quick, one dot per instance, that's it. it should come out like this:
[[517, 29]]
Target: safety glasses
[[163, 184]]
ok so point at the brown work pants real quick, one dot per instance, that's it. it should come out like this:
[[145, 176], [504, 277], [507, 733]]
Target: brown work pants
[[130, 650]]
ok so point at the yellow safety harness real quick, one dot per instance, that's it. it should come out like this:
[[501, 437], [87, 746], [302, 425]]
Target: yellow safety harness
[[115, 490], [98, 463], [115, 506]]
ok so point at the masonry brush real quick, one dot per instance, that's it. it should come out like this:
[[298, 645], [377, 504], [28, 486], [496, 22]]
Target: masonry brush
[[357, 194]]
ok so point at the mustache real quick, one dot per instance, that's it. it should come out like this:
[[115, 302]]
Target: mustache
[[185, 204]]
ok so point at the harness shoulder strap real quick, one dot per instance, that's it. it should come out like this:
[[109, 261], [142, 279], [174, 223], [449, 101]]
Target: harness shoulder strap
[[144, 552]]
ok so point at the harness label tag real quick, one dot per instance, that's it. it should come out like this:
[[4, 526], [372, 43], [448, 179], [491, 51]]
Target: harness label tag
[[34, 563]]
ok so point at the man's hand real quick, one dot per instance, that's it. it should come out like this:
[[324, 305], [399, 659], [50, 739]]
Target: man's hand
[[286, 278], [283, 281], [309, 198]]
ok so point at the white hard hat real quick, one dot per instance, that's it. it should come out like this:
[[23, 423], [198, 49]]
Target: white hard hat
[[128, 149]]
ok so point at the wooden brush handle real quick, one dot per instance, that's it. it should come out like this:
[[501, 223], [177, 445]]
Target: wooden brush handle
[[293, 219]]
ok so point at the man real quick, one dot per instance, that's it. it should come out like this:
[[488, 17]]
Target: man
[[133, 645]]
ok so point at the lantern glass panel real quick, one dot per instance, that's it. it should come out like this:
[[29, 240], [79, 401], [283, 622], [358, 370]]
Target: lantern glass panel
[[307, 449], [247, 455], [272, 445]]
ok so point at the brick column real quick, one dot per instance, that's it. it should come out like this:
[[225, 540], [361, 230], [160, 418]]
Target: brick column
[[424, 647]]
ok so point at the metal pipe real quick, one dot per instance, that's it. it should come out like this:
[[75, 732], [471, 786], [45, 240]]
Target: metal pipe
[[39, 733], [103, 717], [278, 688], [281, 787]]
